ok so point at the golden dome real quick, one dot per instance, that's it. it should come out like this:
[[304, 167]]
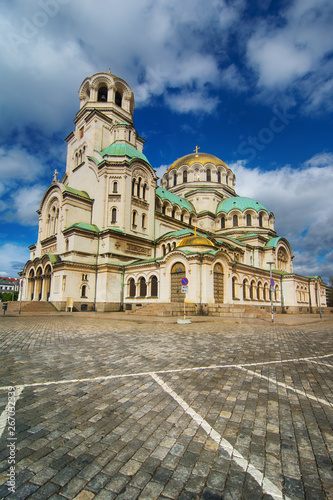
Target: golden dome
[[195, 241], [197, 157]]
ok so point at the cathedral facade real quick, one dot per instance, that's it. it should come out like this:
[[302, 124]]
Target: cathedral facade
[[110, 238]]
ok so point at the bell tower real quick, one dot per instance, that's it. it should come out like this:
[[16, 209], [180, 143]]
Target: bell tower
[[105, 117]]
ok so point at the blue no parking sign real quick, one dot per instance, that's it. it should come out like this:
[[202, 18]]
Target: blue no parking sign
[[184, 281]]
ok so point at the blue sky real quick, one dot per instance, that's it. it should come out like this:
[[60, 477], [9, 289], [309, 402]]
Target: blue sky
[[248, 81]]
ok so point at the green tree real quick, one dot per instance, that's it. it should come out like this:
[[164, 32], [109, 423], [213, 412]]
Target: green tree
[[8, 296]]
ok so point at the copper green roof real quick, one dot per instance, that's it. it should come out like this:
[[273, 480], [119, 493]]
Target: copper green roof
[[180, 232], [240, 203], [84, 194], [84, 225], [272, 243], [123, 149], [164, 194], [54, 258]]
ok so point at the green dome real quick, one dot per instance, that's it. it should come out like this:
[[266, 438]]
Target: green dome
[[240, 203], [123, 149]]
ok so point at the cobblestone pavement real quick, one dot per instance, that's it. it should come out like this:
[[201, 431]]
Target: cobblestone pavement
[[115, 409]]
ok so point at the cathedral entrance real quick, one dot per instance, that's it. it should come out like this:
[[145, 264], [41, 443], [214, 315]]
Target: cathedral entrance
[[218, 284], [177, 273]]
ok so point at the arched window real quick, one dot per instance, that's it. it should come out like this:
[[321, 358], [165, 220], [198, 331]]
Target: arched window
[[223, 222], [163, 250], [132, 288], [84, 291], [169, 247], [245, 289], [219, 176], [102, 94], [252, 290], [175, 179], [282, 259], [185, 176], [118, 98], [115, 187], [134, 219], [235, 220], [114, 216], [163, 209], [129, 136], [138, 187], [154, 287], [143, 287], [182, 217], [143, 220], [260, 220], [133, 187], [208, 175], [173, 213], [234, 291], [258, 290], [66, 245], [144, 189], [248, 220]]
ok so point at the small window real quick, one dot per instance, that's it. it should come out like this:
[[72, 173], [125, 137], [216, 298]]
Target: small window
[[102, 94], [235, 221], [248, 220], [81, 133], [143, 287], [143, 221], [133, 187], [260, 220], [144, 189], [185, 176], [154, 287], [118, 99], [138, 188], [132, 288], [219, 176], [208, 175], [222, 222], [134, 219], [173, 213], [163, 209], [84, 291], [175, 179], [115, 187], [114, 216]]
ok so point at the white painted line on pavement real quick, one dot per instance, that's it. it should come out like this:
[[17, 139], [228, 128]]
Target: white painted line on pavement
[[267, 485], [281, 384], [318, 363]]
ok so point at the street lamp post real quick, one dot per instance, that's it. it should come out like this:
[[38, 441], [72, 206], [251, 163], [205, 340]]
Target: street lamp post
[[271, 287]]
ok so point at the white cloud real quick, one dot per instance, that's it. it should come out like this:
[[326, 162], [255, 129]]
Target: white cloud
[[25, 203], [17, 164], [291, 52], [12, 259], [302, 202], [160, 171]]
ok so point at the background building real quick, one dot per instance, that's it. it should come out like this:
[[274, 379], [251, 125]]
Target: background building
[[110, 237]]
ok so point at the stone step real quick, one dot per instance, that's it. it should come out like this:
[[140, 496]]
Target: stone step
[[34, 306]]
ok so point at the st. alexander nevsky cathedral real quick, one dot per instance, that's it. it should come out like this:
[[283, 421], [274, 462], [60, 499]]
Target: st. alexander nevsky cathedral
[[111, 238]]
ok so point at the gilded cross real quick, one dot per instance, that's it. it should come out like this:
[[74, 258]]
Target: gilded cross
[[196, 149]]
